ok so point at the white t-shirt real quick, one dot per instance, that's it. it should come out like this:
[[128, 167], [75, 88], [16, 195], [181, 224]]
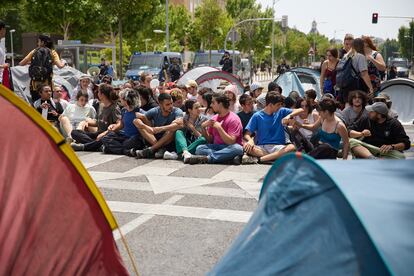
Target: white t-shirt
[[77, 114], [310, 120], [2, 61]]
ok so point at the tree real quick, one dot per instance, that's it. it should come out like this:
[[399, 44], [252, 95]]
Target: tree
[[236, 7], [405, 36], [389, 48], [211, 24], [71, 18], [297, 46]]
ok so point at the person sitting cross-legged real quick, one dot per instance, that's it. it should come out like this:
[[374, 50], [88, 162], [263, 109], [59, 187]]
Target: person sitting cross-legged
[[383, 136], [158, 127], [123, 137], [223, 133], [267, 125]]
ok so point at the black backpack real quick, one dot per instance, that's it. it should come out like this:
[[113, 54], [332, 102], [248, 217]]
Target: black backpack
[[346, 75], [41, 65]]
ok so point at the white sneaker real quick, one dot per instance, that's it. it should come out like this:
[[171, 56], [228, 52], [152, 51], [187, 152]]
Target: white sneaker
[[247, 159], [170, 155]]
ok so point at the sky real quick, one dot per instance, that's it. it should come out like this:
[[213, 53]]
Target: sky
[[345, 16]]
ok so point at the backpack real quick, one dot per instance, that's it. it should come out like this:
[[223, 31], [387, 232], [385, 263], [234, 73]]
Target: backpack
[[41, 65], [346, 75]]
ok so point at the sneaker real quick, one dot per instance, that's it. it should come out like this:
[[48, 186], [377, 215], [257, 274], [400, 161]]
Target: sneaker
[[69, 140], [237, 160], [130, 153], [159, 154], [186, 154], [170, 155], [77, 147], [247, 159], [196, 159], [145, 153]]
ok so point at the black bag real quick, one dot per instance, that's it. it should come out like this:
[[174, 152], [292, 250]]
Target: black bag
[[41, 65], [346, 75]]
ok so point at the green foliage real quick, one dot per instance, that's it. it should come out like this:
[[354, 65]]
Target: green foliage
[[235, 7], [405, 36], [297, 46], [107, 53], [211, 24], [389, 48]]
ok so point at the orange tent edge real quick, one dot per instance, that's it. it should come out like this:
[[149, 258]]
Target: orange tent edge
[[65, 148]]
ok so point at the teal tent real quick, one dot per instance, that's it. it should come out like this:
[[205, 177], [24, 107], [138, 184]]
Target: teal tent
[[329, 218]]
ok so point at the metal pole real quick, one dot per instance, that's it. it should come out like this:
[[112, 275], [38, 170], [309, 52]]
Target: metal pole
[[11, 46], [120, 50], [232, 45], [273, 37], [412, 33], [167, 31]]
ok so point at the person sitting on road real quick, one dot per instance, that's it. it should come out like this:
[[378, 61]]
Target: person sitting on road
[[75, 113], [306, 117], [267, 125], [158, 127], [255, 90], [272, 86], [223, 133], [178, 98], [382, 136], [385, 98], [357, 101], [190, 136], [232, 92], [84, 85], [331, 131], [108, 114], [205, 96], [58, 96], [246, 103], [46, 104], [123, 137], [310, 95], [147, 102], [192, 87]]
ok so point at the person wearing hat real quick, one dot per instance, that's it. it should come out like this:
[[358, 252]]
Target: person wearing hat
[[84, 85], [385, 98], [232, 92], [192, 87], [256, 90], [381, 136]]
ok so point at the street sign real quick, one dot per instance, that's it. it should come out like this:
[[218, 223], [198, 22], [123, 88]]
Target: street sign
[[235, 34]]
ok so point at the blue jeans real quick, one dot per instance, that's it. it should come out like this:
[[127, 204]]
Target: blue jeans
[[219, 153]]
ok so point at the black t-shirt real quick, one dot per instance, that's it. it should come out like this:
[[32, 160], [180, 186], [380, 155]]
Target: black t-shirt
[[52, 107], [107, 116], [149, 105], [389, 132], [245, 118]]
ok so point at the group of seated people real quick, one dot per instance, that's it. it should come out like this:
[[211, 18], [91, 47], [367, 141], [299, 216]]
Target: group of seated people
[[198, 125]]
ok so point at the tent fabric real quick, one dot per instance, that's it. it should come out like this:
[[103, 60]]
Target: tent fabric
[[67, 77], [210, 77], [401, 92], [350, 222], [53, 219], [299, 79]]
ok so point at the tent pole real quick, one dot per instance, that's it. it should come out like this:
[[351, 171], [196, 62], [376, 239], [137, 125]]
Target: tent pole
[[131, 257]]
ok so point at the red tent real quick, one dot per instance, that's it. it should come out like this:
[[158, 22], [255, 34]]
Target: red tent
[[53, 219]]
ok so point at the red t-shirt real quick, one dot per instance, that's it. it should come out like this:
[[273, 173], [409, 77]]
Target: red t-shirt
[[231, 124]]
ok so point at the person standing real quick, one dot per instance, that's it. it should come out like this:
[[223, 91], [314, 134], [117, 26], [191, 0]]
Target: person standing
[[41, 62], [227, 63], [3, 63], [348, 39], [328, 71], [376, 63]]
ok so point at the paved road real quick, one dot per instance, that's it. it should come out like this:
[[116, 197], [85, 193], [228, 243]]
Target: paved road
[[178, 219]]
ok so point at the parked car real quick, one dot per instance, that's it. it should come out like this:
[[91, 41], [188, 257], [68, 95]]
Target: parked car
[[402, 65]]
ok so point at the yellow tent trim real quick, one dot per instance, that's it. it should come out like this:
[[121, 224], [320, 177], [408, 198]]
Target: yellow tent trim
[[65, 148]]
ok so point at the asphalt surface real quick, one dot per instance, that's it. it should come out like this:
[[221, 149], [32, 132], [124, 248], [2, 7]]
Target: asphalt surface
[[178, 219]]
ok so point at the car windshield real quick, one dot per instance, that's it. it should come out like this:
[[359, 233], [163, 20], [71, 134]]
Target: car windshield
[[400, 63], [145, 61], [202, 59]]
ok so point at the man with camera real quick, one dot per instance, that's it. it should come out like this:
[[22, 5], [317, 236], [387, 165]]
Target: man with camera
[[227, 63]]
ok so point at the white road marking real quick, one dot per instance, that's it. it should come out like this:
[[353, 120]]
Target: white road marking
[[252, 188], [165, 184], [97, 158], [133, 224], [208, 191], [180, 211], [250, 176]]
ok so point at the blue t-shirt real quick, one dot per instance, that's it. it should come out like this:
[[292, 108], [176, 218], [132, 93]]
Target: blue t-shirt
[[127, 118], [155, 115], [268, 128]]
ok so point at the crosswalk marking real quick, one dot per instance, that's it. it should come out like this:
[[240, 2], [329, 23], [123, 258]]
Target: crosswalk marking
[[180, 211]]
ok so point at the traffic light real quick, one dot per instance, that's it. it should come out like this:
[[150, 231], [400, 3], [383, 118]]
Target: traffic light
[[375, 18]]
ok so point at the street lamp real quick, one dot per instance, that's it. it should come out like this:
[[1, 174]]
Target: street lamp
[[146, 43], [11, 45]]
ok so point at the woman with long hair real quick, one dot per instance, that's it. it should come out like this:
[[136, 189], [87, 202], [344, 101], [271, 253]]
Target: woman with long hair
[[328, 71], [376, 63], [331, 131]]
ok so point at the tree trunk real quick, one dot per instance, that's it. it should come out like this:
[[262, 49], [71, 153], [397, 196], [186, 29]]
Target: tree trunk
[[120, 49]]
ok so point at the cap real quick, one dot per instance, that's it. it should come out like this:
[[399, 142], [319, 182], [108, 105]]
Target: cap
[[191, 83], [261, 99], [384, 96], [378, 107], [255, 86], [232, 88]]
